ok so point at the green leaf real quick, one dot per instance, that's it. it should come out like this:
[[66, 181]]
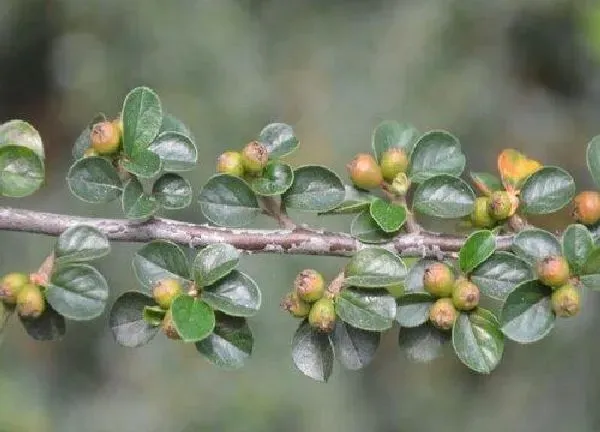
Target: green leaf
[[21, 171], [160, 260], [315, 189], [534, 244], [136, 203], [478, 341], [413, 309], [235, 294], [177, 151], [500, 274], [83, 142], [355, 201], [142, 163], [153, 315], [546, 191], [365, 229], [372, 310], [275, 179], [94, 180], [527, 314], [226, 200], [214, 262], [478, 247], [126, 320], [142, 119], [391, 134], [81, 243], [435, 153], [354, 348], [170, 123], [388, 216], [172, 191], [21, 134], [593, 159], [485, 182], [230, 343], [577, 244], [312, 352], [444, 197], [279, 139], [50, 326], [77, 291], [414, 279], [591, 281], [194, 320], [374, 268], [422, 344]]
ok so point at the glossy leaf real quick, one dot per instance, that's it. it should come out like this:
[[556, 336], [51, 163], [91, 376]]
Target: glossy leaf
[[170, 123], [230, 343], [94, 180], [414, 279], [50, 326], [312, 352], [500, 274], [21, 134], [214, 262], [577, 245], [176, 150], [81, 243], [354, 348], [422, 344], [546, 191], [412, 309], [365, 229], [593, 159], [486, 183], [77, 291], [172, 191], [21, 171], [444, 197], [142, 119], [374, 268], [126, 320], [436, 153], [372, 310], [514, 167], [276, 178], [136, 203], [315, 189], [194, 320], [226, 200], [160, 260], [279, 139], [388, 216], [355, 201], [534, 244], [142, 163], [235, 294], [391, 134], [478, 247]]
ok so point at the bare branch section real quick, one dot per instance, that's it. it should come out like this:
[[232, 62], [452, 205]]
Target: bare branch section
[[299, 241]]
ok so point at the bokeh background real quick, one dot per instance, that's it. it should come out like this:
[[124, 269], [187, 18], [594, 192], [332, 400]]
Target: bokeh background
[[504, 73]]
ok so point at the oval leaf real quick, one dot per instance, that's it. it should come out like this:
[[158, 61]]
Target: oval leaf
[[170, 123], [478, 341], [354, 348], [527, 314], [315, 189], [413, 309], [374, 268], [514, 168], [214, 262], [50, 326], [176, 150], [21, 171], [78, 292], [388, 216], [577, 243], [355, 201], [435, 153], [312, 352], [230, 343], [372, 310], [444, 197], [547, 191], [365, 229], [500, 274], [126, 320], [136, 203], [534, 244], [275, 179], [81, 243], [194, 320], [235, 294], [143, 164], [279, 139], [22, 134], [391, 134], [172, 191], [422, 344], [226, 200], [486, 183], [160, 260], [94, 180], [142, 118], [477, 248], [593, 159]]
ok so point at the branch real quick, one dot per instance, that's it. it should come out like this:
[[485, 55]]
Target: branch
[[299, 241]]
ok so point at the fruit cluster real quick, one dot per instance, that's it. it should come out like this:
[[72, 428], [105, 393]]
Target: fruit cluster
[[164, 292], [488, 211], [251, 161], [553, 271], [20, 291], [366, 173]]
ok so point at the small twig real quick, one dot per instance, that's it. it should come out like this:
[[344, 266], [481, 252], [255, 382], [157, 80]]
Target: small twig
[[517, 223], [43, 274], [276, 209], [336, 285], [411, 224]]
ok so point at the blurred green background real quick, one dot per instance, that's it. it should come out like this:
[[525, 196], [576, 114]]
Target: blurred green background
[[497, 74]]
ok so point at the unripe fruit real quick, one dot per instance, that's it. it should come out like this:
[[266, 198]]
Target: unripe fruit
[[500, 205], [254, 157], [442, 314], [587, 207], [465, 295], [230, 163], [400, 184], [30, 301], [393, 162], [438, 280], [105, 137], [309, 285], [168, 326], [295, 305], [553, 271], [89, 152], [165, 291], [364, 171], [566, 301], [322, 315], [480, 216], [10, 285]]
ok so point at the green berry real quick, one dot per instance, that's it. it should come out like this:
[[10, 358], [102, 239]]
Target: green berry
[[438, 280], [295, 305], [168, 326], [566, 301], [393, 162], [442, 314], [364, 171], [10, 285], [309, 285], [500, 205], [322, 315], [254, 157], [465, 295], [230, 163], [553, 271], [480, 216], [165, 291], [30, 301], [587, 207], [105, 137]]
